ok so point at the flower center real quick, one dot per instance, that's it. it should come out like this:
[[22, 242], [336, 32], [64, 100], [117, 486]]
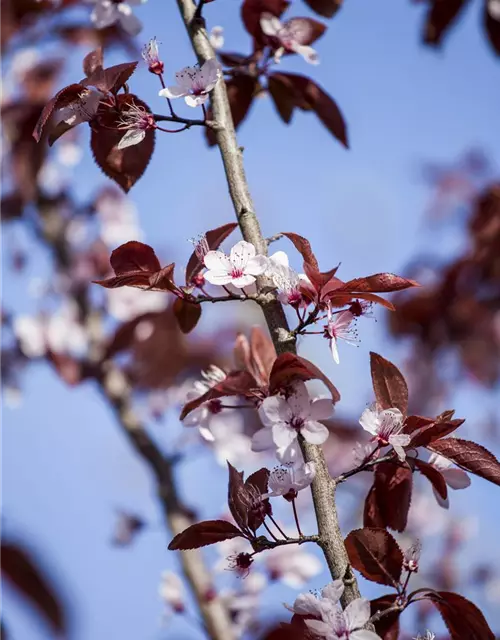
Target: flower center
[[296, 423], [236, 273], [215, 406]]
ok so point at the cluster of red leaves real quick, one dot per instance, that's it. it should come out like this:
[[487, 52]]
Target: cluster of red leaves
[[458, 312], [441, 15], [389, 498]]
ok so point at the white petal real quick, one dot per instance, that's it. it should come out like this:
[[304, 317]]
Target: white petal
[[357, 613], [217, 261], [335, 351], [456, 478], [241, 254], [333, 591], [321, 409], [300, 401], [271, 410], [283, 435], [130, 23], [172, 92], [400, 439], [307, 604], [196, 101], [269, 24], [187, 77], [206, 434], [262, 440], [320, 628], [370, 421], [218, 277], [314, 432], [256, 266], [131, 138], [363, 634], [400, 452], [439, 462], [280, 258], [210, 72], [309, 54], [243, 281], [290, 455]]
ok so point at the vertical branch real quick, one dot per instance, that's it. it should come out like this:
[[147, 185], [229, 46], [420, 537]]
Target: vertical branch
[[115, 388], [323, 487]]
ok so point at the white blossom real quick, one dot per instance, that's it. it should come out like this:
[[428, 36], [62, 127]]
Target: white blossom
[[340, 327], [309, 604], [289, 37], [135, 121], [201, 416], [289, 480], [194, 83], [240, 268], [285, 279], [385, 426]]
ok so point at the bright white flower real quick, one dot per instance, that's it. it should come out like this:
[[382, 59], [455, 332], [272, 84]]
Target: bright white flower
[[292, 565], [216, 37], [288, 481], [288, 36], [344, 625], [201, 416], [109, 12], [194, 83], [240, 268], [385, 427], [340, 327], [285, 279], [135, 121], [308, 604], [285, 418], [171, 591], [428, 635], [454, 477], [81, 110]]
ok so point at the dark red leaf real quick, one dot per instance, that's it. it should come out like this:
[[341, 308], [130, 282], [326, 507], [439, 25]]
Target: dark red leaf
[[262, 355], [342, 299], [492, 28], [259, 479], [388, 383], [134, 256], [56, 132], [237, 383], [326, 8], [289, 368], [283, 98], [434, 432], [310, 96], [125, 334], [215, 237], [441, 15], [251, 10], [21, 570], [240, 92], [470, 456], [371, 513], [93, 61], [204, 533], [414, 423], [393, 489], [62, 99], [187, 314], [111, 79], [388, 626], [303, 246], [375, 554], [378, 283], [238, 498], [462, 618], [231, 59], [124, 166], [434, 476]]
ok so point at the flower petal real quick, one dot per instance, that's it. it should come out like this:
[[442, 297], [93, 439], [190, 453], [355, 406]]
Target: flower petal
[[243, 281], [320, 628], [217, 261], [314, 432], [456, 478], [218, 277], [357, 613], [241, 254], [321, 409], [283, 435], [262, 440], [333, 591], [131, 138], [335, 351], [257, 265], [186, 78], [270, 24], [271, 410], [307, 604], [172, 92], [300, 401], [195, 101], [290, 455], [363, 634], [309, 54], [370, 421], [280, 258]]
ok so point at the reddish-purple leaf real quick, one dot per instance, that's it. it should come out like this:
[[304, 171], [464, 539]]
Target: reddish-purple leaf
[[20, 569], [238, 498], [262, 355], [492, 28], [371, 512], [433, 432], [441, 15], [434, 476], [388, 626], [462, 618], [62, 99], [342, 299], [388, 383], [232, 59], [187, 314], [289, 368], [393, 489], [470, 456], [414, 423], [259, 479], [236, 383], [303, 246], [215, 237], [375, 554], [240, 92], [124, 166], [378, 283], [93, 61], [111, 79], [204, 533], [325, 8], [282, 96], [134, 256]]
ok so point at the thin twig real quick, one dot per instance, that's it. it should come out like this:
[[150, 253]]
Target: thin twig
[[188, 121], [296, 516]]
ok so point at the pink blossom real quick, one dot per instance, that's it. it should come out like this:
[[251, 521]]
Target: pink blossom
[[340, 327], [151, 56], [240, 268], [216, 37], [344, 625], [285, 418], [454, 477], [109, 12], [309, 604], [288, 36], [202, 415], [135, 121], [288, 481], [286, 280], [385, 427], [194, 83]]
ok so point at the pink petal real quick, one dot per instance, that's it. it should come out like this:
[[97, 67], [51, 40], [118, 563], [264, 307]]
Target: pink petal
[[314, 432], [283, 436], [300, 401], [172, 92], [334, 350], [271, 410], [357, 613], [321, 409], [319, 627], [456, 478]]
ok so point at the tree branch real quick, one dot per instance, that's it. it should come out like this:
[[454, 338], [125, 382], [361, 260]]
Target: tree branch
[[115, 388], [323, 487]]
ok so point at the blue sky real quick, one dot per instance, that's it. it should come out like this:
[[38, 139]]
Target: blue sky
[[67, 467]]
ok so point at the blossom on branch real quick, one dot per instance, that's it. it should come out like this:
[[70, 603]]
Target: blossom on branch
[[288, 481], [83, 109], [385, 426], [202, 415], [344, 625], [289, 37], [285, 418], [135, 121], [151, 56], [240, 268], [109, 12], [340, 327], [286, 280], [309, 604], [194, 83]]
